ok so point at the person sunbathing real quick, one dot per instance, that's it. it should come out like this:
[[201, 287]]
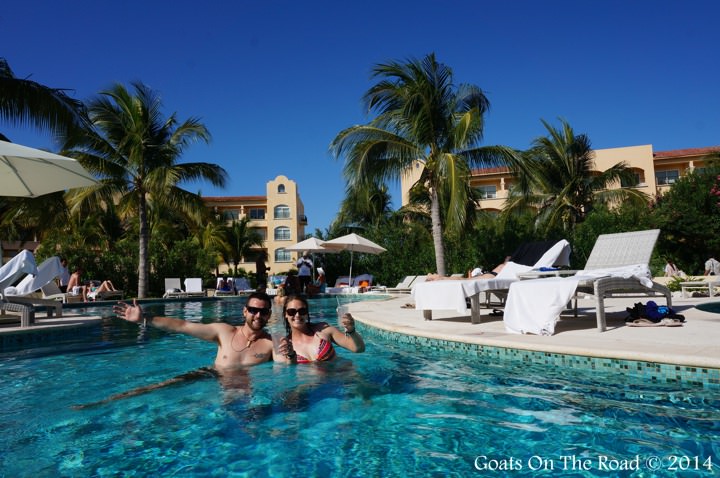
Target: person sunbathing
[[105, 286], [474, 274]]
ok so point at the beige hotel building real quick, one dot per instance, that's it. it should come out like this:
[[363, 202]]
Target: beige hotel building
[[655, 172], [279, 217]]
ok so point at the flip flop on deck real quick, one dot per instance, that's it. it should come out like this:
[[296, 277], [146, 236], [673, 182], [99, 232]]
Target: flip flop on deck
[[649, 323]]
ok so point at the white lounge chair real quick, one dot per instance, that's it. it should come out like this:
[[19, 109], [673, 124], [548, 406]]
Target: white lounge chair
[[342, 286], [26, 291], [402, 287], [617, 267], [17, 267], [193, 287], [454, 294], [173, 288], [52, 291]]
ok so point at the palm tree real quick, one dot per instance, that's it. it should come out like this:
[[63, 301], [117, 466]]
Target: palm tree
[[370, 205], [421, 116], [134, 150], [556, 178], [212, 236], [241, 238], [25, 102]]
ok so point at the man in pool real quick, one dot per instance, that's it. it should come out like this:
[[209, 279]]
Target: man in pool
[[238, 347]]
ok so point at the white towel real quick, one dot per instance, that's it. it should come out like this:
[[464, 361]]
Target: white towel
[[534, 306], [46, 272], [23, 263]]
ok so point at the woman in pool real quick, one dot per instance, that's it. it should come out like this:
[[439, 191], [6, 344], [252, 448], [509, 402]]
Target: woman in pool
[[313, 342]]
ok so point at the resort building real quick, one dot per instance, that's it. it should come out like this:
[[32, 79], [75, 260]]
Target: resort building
[[279, 218], [655, 172]]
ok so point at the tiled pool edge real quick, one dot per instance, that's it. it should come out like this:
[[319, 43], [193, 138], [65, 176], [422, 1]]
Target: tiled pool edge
[[42, 336], [705, 377]]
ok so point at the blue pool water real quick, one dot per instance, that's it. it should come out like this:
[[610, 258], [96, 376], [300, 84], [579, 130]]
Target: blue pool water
[[710, 307], [391, 411]]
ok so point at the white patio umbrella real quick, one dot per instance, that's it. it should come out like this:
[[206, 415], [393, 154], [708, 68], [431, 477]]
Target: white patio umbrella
[[353, 243], [311, 245], [30, 172]]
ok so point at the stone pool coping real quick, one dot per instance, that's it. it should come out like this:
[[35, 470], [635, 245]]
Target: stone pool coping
[[687, 354]]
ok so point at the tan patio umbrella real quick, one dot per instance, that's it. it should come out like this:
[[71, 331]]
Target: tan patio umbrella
[[311, 245], [30, 172], [353, 243]]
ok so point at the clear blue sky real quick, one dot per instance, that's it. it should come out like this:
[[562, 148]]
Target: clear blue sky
[[275, 81]]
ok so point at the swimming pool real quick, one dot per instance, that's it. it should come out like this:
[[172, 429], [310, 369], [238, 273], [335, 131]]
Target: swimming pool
[[392, 411], [713, 307]]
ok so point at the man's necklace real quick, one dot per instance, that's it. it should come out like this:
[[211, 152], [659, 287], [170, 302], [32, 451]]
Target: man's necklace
[[247, 345]]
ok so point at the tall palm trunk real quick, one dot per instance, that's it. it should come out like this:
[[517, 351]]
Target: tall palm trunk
[[437, 231], [143, 242]]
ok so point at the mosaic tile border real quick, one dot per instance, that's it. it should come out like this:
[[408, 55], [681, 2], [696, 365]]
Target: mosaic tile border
[[662, 373]]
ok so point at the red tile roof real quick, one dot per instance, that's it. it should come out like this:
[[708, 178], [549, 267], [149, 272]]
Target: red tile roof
[[676, 153], [234, 198], [498, 169]]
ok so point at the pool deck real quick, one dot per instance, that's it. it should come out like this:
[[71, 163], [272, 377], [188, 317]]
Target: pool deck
[[693, 344]]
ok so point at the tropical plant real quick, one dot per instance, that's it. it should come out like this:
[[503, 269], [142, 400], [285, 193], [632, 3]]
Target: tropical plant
[[369, 205], [241, 239], [689, 217], [421, 116], [557, 178], [29, 218], [24, 102], [212, 237], [134, 150]]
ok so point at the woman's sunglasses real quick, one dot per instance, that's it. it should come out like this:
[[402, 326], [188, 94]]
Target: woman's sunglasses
[[257, 310], [301, 311]]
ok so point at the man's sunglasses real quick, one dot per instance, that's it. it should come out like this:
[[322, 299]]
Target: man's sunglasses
[[301, 311], [257, 310]]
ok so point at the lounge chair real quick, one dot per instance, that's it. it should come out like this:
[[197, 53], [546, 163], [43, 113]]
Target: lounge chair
[[243, 285], [617, 267], [26, 291], [362, 283], [109, 295], [51, 291], [17, 267], [342, 286], [454, 294], [219, 292], [194, 288], [173, 288], [402, 287], [104, 295]]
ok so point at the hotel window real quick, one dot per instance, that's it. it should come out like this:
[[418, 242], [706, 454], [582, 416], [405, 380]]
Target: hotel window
[[281, 255], [257, 213], [260, 232], [282, 212], [282, 233], [229, 215], [281, 188], [487, 192], [666, 177], [631, 184]]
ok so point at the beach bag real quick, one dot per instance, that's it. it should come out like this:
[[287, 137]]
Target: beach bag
[[652, 312]]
